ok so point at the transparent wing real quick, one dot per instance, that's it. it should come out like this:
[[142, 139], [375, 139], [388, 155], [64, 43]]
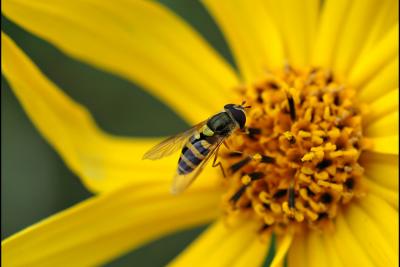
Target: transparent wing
[[181, 182], [173, 143]]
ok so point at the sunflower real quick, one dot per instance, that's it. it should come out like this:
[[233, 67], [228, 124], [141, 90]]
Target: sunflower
[[317, 169]]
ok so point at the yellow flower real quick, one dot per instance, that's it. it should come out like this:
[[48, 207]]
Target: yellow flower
[[324, 88]]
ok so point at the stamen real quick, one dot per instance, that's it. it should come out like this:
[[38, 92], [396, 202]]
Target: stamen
[[280, 193], [336, 187], [349, 183], [292, 108], [326, 198], [290, 137], [259, 99], [304, 134], [322, 216], [256, 175], [252, 132], [267, 159], [238, 165], [238, 194], [307, 157], [323, 164], [291, 197], [246, 179], [235, 154], [263, 228], [329, 79], [272, 85]]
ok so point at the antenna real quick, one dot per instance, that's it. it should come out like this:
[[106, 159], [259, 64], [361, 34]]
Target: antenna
[[244, 102]]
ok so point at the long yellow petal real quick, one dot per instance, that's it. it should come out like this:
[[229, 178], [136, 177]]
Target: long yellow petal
[[386, 144], [103, 227], [317, 255], [384, 215], [370, 237], [254, 255], [138, 40], [234, 244], [347, 246], [333, 14], [383, 105], [297, 255], [390, 196], [251, 34], [282, 249], [297, 21], [331, 254], [208, 241], [371, 62], [102, 161], [383, 169], [385, 126], [387, 16], [224, 245], [353, 33], [384, 81]]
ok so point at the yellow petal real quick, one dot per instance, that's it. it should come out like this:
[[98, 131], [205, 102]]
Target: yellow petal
[[138, 40], [384, 81], [385, 216], [251, 34], [382, 53], [390, 196], [102, 161], [103, 227], [317, 255], [333, 14], [208, 241], [254, 255], [331, 254], [386, 144], [387, 16], [387, 125], [347, 246], [297, 255], [370, 237], [383, 105], [383, 169], [224, 245], [297, 21], [354, 30], [282, 248]]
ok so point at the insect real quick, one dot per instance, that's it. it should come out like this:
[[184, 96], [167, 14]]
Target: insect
[[199, 144]]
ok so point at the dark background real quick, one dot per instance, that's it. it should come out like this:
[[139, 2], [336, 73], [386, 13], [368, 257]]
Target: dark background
[[35, 182]]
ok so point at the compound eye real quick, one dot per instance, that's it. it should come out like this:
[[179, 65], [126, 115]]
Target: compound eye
[[220, 128], [228, 106]]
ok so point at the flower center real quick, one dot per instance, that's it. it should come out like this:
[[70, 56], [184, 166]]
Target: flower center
[[298, 164]]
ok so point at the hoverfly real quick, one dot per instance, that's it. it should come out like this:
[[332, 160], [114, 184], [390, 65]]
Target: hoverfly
[[199, 144]]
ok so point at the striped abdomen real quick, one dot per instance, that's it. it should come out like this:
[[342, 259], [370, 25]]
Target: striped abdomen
[[193, 154]]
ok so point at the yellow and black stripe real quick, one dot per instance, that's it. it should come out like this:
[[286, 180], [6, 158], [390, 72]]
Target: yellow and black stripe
[[193, 154]]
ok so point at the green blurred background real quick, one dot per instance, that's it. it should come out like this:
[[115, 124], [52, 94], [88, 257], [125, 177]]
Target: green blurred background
[[35, 181]]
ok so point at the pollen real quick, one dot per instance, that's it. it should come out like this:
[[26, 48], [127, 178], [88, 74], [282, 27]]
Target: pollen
[[299, 167]]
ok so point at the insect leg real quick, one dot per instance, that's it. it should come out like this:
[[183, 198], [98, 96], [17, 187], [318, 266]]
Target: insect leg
[[232, 151], [226, 145], [215, 163], [245, 131]]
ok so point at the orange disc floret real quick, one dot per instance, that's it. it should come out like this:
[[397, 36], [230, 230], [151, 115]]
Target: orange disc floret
[[299, 160]]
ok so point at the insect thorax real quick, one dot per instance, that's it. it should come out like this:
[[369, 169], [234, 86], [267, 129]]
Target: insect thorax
[[221, 124]]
